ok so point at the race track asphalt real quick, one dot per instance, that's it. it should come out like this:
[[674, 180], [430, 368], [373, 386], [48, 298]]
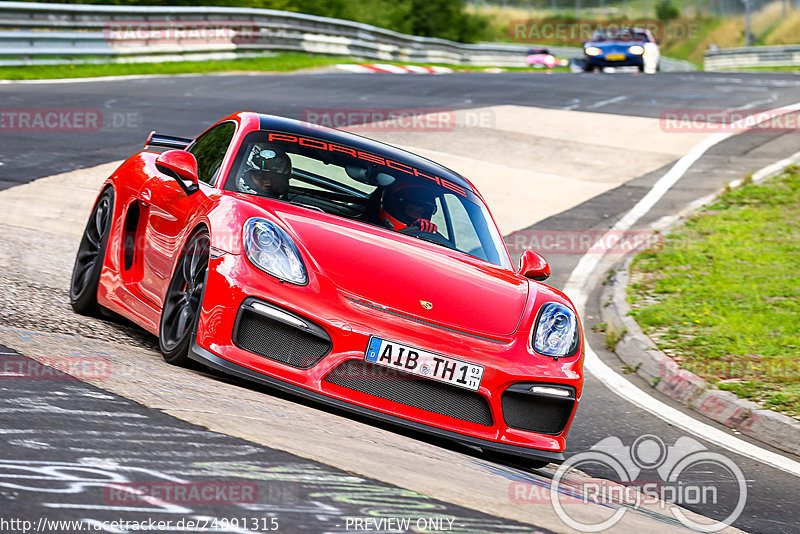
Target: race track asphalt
[[185, 105]]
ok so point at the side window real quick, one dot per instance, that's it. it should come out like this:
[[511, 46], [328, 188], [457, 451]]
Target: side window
[[465, 238], [210, 148], [439, 219]]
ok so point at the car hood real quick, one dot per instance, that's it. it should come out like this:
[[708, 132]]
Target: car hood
[[397, 273], [614, 46]]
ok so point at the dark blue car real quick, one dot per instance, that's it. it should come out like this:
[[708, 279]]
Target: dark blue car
[[621, 47]]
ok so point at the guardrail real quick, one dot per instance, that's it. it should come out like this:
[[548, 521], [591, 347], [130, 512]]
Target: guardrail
[[38, 33], [752, 56]]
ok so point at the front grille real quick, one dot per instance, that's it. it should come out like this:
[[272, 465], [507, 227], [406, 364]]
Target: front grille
[[411, 390], [536, 413], [279, 341]]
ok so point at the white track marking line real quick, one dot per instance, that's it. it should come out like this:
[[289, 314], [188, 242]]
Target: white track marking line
[[758, 177], [620, 386], [607, 102], [577, 289], [125, 77]]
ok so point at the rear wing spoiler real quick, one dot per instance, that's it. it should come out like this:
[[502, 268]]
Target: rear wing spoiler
[[168, 141]]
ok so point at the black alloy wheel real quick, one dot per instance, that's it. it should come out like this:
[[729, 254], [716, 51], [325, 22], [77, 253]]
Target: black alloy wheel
[[90, 257], [183, 300]]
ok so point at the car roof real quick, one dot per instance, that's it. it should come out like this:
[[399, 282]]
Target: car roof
[[292, 126]]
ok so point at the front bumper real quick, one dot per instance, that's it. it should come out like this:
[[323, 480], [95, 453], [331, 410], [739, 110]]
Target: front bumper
[[338, 376], [601, 61]]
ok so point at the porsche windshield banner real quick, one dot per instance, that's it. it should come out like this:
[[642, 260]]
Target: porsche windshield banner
[[366, 156]]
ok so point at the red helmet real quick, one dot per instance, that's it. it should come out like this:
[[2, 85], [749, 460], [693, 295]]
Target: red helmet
[[402, 205]]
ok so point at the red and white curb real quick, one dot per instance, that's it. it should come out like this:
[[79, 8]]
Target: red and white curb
[[392, 69]]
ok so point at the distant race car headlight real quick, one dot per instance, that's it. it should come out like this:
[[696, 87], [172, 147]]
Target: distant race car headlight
[[592, 51], [636, 50], [556, 332], [271, 249]]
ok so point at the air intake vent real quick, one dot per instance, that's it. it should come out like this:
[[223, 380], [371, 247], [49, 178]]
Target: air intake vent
[[412, 391], [280, 341], [544, 414]]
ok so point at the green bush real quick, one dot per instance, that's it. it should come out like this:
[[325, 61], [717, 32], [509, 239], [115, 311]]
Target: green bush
[[446, 19], [666, 11]]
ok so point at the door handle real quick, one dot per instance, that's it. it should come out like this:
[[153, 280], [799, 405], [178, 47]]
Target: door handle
[[145, 194]]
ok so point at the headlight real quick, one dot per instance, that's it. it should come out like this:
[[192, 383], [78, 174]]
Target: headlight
[[636, 50], [271, 249], [593, 51], [556, 332]]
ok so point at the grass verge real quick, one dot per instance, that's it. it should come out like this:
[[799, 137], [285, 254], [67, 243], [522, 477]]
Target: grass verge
[[723, 295], [277, 63]]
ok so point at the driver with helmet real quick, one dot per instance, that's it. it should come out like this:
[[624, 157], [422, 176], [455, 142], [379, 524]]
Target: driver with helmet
[[269, 172], [411, 206]]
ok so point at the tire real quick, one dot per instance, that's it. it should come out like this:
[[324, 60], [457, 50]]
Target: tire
[[184, 300], [90, 257]]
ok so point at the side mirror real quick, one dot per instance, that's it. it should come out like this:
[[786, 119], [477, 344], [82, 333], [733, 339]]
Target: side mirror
[[180, 165], [533, 265]]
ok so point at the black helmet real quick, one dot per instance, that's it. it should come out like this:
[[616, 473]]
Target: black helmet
[[271, 159], [266, 161], [397, 200]]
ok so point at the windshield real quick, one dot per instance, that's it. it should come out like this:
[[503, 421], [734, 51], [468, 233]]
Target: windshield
[[349, 183], [623, 34]]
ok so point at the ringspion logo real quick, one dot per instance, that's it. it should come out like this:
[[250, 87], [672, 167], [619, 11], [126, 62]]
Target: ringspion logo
[[646, 472]]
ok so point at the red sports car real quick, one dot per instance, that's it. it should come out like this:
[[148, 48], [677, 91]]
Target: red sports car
[[341, 269]]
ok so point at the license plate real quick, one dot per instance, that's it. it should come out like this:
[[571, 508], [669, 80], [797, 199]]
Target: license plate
[[615, 57], [423, 363]]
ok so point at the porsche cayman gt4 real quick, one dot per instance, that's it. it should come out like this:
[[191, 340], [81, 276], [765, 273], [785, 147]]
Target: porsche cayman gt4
[[340, 269]]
